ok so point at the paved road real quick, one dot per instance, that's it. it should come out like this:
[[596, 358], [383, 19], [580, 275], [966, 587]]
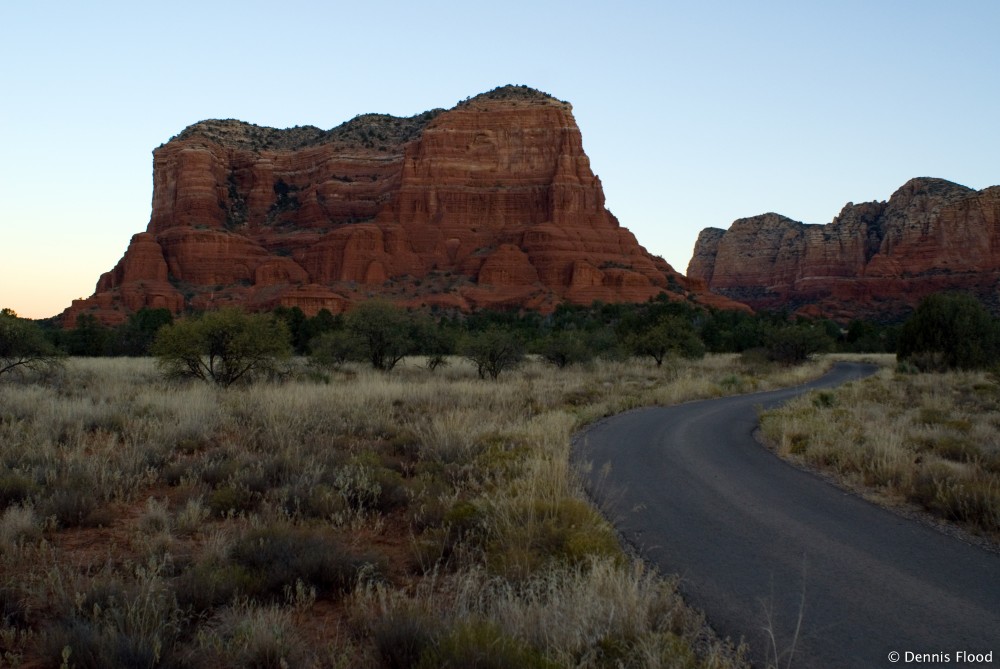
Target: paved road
[[690, 488]]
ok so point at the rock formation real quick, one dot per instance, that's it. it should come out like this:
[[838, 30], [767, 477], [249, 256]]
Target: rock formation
[[876, 259], [491, 203]]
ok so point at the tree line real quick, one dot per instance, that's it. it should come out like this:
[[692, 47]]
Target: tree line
[[945, 331], [571, 333]]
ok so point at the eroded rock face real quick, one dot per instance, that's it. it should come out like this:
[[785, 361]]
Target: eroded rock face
[[491, 203], [876, 259]]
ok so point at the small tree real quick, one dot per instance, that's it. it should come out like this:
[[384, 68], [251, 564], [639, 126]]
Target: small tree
[[493, 351], [672, 335], [382, 331], [222, 346], [433, 341], [298, 327], [565, 348], [949, 331], [793, 344], [24, 346], [136, 336], [90, 337], [322, 323], [864, 337], [333, 349]]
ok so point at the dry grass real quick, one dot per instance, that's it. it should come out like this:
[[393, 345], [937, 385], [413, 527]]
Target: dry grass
[[598, 614], [930, 440], [132, 510]]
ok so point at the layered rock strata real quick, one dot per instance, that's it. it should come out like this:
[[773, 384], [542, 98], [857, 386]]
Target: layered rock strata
[[492, 203], [874, 260]]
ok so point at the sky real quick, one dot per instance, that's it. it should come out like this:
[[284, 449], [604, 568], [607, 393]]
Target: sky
[[693, 114]]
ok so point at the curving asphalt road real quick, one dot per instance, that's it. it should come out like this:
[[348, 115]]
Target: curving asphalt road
[[756, 541]]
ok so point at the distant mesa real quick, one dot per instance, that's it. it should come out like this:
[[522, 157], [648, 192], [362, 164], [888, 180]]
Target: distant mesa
[[875, 260], [489, 204]]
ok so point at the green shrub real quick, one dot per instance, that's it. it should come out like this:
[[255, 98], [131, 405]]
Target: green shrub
[[219, 470], [798, 443], [87, 647], [792, 345], [394, 494], [464, 517], [932, 416], [156, 518], [174, 473], [13, 608], [671, 335], [957, 448], [991, 462], [572, 530], [251, 636], [930, 487], [358, 485], [16, 488], [382, 332], [232, 499], [568, 530], [116, 623], [312, 501], [75, 506], [444, 530], [190, 446], [824, 399], [208, 585], [664, 649], [565, 348], [975, 501], [277, 557], [949, 331], [333, 349], [403, 636], [481, 645]]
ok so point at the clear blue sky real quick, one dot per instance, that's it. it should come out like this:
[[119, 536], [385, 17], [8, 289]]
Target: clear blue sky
[[693, 114]]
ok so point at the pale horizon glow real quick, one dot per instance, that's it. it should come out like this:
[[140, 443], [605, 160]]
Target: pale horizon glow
[[692, 116]]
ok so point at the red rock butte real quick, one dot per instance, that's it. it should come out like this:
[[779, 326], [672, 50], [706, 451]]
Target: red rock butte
[[490, 204], [875, 260]]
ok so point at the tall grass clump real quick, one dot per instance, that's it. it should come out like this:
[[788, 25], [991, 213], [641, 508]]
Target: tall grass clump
[[125, 619], [250, 635], [606, 612]]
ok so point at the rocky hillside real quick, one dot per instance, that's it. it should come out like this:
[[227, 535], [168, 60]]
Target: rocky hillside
[[491, 203], [876, 259]]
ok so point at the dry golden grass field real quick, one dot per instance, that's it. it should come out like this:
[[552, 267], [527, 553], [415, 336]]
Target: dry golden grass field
[[928, 443], [345, 519]]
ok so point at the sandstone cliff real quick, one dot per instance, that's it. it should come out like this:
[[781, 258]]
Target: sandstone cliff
[[876, 259], [491, 203]]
